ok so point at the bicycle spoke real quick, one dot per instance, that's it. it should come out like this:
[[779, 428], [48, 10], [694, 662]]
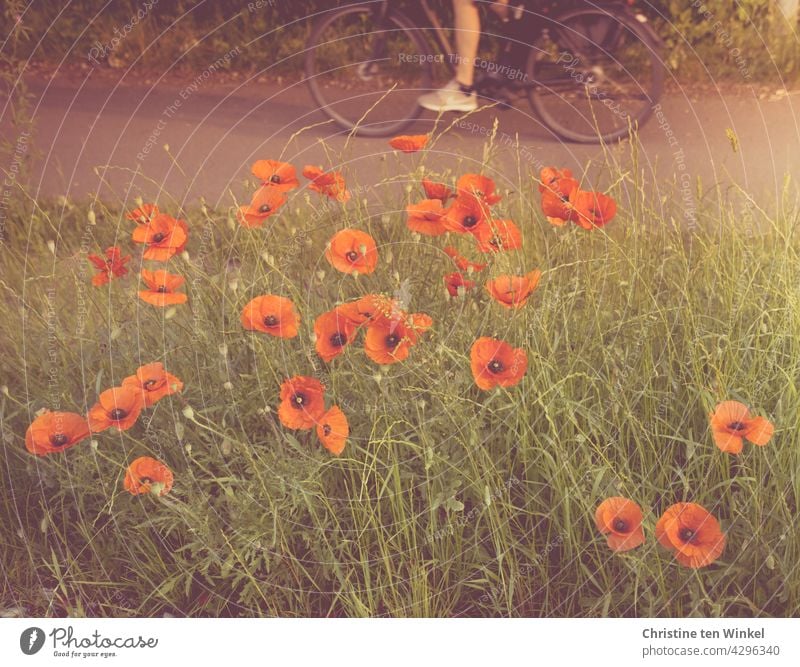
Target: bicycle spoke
[[594, 74], [355, 67]]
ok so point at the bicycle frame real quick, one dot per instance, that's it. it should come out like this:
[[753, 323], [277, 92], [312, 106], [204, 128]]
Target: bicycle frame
[[548, 53], [534, 22]]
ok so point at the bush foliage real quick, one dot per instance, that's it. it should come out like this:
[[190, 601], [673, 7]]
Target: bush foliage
[[744, 40]]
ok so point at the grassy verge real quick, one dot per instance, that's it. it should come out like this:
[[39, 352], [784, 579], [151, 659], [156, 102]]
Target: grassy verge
[[447, 500]]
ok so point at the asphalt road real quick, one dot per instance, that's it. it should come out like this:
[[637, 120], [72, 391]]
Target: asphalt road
[[101, 136]]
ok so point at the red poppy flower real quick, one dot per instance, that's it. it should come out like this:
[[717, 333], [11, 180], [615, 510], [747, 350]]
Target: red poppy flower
[[417, 324], [352, 250], [513, 291], [334, 330], [499, 236], [163, 236], [143, 214], [409, 143], [692, 533], [425, 217], [494, 362], [466, 215], [462, 263], [302, 402], [549, 177], [454, 281], [363, 310], [153, 383], [161, 288], [477, 185], [276, 174], [359, 312], [113, 266], [592, 209], [437, 191], [331, 183], [266, 202], [270, 314], [556, 200], [390, 339], [147, 213], [333, 430], [54, 432], [118, 407], [148, 475], [731, 424], [621, 520]]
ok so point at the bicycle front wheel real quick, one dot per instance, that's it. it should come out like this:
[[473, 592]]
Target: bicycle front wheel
[[596, 74], [368, 75]]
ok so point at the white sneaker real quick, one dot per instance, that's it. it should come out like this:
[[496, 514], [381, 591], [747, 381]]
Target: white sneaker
[[449, 98]]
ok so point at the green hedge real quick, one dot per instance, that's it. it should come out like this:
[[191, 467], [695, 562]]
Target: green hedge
[[748, 40]]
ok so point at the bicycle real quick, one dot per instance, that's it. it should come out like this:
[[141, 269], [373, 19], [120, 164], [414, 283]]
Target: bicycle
[[590, 72]]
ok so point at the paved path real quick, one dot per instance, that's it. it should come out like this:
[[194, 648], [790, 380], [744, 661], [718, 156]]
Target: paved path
[[100, 136]]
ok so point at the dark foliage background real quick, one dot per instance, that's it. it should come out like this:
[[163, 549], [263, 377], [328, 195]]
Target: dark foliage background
[[744, 40]]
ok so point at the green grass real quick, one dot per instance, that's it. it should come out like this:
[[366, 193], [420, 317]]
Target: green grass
[[447, 500]]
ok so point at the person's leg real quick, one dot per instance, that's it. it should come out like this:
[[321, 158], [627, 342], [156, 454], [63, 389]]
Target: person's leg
[[458, 95], [468, 34]]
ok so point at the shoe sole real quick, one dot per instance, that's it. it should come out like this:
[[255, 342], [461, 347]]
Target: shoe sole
[[441, 109]]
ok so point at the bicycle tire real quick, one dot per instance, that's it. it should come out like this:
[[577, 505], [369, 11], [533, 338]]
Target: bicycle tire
[[655, 89], [401, 22]]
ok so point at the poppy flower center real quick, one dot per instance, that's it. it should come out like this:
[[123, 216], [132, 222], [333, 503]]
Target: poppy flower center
[[145, 480], [264, 208], [299, 400], [270, 321], [326, 429], [392, 340], [338, 339], [151, 384], [620, 525], [736, 426], [275, 178], [59, 439], [118, 413], [687, 534], [352, 256], [469, 221], [162, 289], [496, 366], [158, 237]]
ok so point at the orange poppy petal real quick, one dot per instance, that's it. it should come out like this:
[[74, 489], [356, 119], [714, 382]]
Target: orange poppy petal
[[729, 412], [626, 542], [333, 430], [759, 431], [728, 442], [409, 143]]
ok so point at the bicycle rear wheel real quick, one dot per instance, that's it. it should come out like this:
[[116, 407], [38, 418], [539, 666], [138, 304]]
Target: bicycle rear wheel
[[596, 74], [356, 66]]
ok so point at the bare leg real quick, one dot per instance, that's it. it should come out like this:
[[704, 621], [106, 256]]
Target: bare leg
[[457, 94], [468, 34]]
